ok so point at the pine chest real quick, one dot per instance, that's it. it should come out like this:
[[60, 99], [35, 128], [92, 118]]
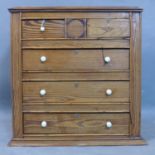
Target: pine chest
[[76, 76]]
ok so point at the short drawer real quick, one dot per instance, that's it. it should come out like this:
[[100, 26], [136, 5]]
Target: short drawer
[[42, 29], [90, 60], [77, 123], [107, 28], [78, 91]]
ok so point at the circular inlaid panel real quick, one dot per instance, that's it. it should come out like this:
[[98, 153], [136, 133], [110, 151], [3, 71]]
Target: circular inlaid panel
[[76, 28]]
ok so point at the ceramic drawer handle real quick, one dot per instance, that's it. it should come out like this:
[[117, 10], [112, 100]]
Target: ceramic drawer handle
[[42, 92], [107, 59], [43, 59], [42, 27], [108, 92], [43, 124], [109, 124]]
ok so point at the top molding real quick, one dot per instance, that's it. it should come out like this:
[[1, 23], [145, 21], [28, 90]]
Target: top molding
[[75, 9]]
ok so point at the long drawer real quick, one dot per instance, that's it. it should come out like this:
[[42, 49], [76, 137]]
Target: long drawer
[[77, 91], [90, 60], [77, 123]]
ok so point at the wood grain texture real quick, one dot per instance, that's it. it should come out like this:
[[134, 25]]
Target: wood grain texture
[[75, 41], [64, 15], [75, 107], [72, 137], [76, 28], [75, 60], [77, 9], [58, 44], [48, 76], [53, 29], [100, 28], [16, 74], [105, 142], [77, 123], [136, 74], [97, 138], [76, 91]]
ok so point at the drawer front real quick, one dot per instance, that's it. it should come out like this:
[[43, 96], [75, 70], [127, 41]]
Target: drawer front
[[53, 29], [75, 60], [99, 91], [101, 28], [77, 123], [75, 28]]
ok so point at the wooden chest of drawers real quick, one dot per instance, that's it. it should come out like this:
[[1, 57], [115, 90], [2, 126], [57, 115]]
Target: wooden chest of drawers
[[76, 76]]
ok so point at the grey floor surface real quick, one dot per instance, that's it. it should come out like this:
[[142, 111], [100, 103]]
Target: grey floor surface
[[148, 133]]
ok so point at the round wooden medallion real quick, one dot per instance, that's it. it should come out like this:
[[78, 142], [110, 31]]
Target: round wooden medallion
[[76, 28]]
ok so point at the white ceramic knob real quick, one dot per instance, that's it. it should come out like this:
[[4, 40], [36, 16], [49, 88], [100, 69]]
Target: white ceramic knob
[[42, 92], [43, 124], [108, 92], [109, 124], [43, 58], [42, 28], [107, 59]]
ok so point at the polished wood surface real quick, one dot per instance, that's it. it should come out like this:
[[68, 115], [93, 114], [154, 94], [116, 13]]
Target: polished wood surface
[[76, 28], [75, 60], [38, 107], [101, 28], [75, 15], [135, 72], [103, 142], [54, 29], [77, 123], [16, 75], [80, 76], [76, 9], [75, 75], [76, 91], [70, 44]]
